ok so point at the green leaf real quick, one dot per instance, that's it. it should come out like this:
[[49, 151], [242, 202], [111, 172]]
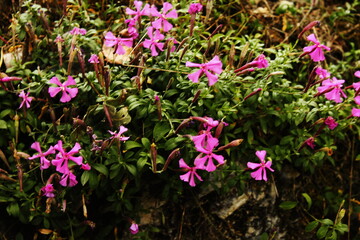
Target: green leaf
[[341, 227], [131, 169], [160, 129], [85, 177], [311, 226], [101, 168], [3, 124], [132, 144], [327, 221], [321, 232], [287, 205], [308, 200], [141, 162], [146, 143], [13, 209]]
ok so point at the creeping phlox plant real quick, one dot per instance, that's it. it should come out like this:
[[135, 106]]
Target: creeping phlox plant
[[135, 95]]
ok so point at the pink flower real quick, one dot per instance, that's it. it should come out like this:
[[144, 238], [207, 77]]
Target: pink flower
[[118, 136], [67, 93], [111, 40], [259, 62], [138, 12], [153, 43], [332, 89], [195, 8], [355, 112], [134, 228], [315, 51], [162, 22], [357, 100], [59, 39], [207, 156], [68, 179], [44, 163], [322, 73], [357, 74], [331, 123], [214, 65], [78, 31], [48, 191], [62, 158], [8, 79], [85, 167], [191, 172], [26, 99], [94, 58], [260, 173], [310, 142]]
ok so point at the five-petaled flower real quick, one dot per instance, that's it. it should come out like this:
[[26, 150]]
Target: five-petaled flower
[[48, 190], [153, 43], [44, 163], [26, 99], [191, 173], [260, 173], [62, 158], [215, 65], [355, 112], [310, 142], [206, 156], [67, 93], [332, 89], [118, 135], [162, 22], [137, 13], [119, 43], [315, 51]]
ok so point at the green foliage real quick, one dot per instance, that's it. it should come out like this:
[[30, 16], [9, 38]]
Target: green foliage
[[278, 118]]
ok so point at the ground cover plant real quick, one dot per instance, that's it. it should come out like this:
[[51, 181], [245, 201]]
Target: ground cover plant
[[179, 120]]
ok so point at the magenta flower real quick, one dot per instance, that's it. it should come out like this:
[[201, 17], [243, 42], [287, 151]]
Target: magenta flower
[[195, 8], [111, 40], [153, 43], [191, 172], [94, 58], [322, 73], [332, 89], [310, 142], [138, 12], [162, 22], [357, 100], [134, 228], [68, 179], [207, 156], [118, 135], [85, 167], [44, 163], [260, 173], [26, 99], [48, 191], [8, 79], [214, 65], [315, 51], [78, 31], [59, 39], [357, 74], [259, 62], [67, 93], [62, 158], [355, 112], [331, 123]]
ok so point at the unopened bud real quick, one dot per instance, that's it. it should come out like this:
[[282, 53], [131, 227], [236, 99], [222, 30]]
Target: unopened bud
[[153, 154], [308, 27], [234, 143], [174, 154]]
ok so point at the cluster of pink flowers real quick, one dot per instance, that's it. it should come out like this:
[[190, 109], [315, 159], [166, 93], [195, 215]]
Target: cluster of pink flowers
[[61, 162]]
